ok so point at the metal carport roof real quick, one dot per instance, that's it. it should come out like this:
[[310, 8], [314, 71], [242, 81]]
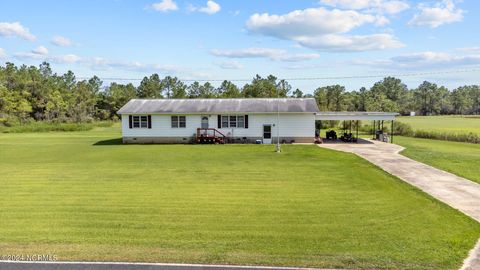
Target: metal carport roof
[[356, 116]]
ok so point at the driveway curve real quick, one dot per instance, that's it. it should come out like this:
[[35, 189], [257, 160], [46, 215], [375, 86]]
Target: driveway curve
[[460, 193]]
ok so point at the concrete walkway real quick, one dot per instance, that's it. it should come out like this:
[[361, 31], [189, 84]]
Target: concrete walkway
[[458, 192]]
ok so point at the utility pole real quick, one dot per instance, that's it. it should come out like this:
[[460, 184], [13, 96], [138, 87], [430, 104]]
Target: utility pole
[[278, 149]]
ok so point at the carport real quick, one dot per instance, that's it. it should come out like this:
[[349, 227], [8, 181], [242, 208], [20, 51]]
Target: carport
[[379, 119]]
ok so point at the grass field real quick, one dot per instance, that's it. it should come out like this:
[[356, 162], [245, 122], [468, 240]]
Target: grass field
[[461, 159], [82, 196], [453, 124]]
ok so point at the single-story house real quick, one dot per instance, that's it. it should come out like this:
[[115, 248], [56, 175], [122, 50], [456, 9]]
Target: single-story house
[[242, 119], [227, 120]]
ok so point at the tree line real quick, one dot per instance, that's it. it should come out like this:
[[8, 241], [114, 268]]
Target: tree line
[[37, 93]]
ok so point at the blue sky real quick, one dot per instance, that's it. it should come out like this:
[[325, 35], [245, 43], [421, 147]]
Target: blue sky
[[227, 39]]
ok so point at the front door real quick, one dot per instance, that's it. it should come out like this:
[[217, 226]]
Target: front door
[[267, 134], [204, 121]]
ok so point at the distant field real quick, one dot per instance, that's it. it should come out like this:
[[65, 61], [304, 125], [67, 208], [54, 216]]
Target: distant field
[[453, 124], [83, 196], [462, 159]]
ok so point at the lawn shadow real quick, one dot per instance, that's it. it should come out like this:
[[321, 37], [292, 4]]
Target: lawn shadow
[[116, 141]]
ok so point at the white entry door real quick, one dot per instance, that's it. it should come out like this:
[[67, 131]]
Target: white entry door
[[204, 121], [267, 134]]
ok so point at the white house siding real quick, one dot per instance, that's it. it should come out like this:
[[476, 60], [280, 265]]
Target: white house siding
[[291, 126], [298, 127]]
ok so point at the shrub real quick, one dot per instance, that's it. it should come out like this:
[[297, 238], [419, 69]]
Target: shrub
[[448, 136], [403, 129], [52, 126]]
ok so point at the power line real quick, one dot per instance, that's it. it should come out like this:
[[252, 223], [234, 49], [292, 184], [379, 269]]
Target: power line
[[310, 78]]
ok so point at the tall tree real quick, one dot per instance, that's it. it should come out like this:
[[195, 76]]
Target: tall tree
[[207, 91], [194, 90], [474, 97], [424, 97], [283, 88], [266, 87], [228, 90], [460, 100], [150, 87], [390, 94], [331, 97], [173, 88], [297, 93], [117, 95]]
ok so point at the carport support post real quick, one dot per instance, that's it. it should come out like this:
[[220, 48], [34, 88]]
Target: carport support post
[[320, 129], [373, 130], [357, 130], [391, 139]]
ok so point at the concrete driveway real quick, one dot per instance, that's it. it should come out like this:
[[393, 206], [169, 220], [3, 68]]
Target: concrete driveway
[[458, 192]]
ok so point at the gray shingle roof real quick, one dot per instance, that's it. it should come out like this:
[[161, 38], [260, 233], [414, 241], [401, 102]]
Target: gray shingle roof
[[235, 105]]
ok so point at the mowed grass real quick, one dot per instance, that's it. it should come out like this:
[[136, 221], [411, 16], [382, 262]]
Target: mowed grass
[[81, 196], [449, 124], [462, 159]]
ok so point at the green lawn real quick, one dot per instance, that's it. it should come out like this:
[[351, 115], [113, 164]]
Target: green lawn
[[459, 158], [82, 196], [453, 124]]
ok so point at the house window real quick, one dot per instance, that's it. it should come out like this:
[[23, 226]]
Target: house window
[[233, 121], [143, 121], [140, 121], [224, 121], [179, 121], [241, 121]]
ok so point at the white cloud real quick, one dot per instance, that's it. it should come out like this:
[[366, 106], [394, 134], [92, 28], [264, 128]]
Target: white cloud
[[381, 6], [249, 53], [311, 21], [334, 42], [427, 59], [3, 54], [273, 54], [68, 58], [210, 8], [469, 50], [40, 55], [100, 63], [324, 29], [61, 41], [304, 66], [298, 57], [41, 50], [436, 58], [348, 4], [393, 7], [443, 12], [15, 29], [230, 65], [165, 6], [30, 55]]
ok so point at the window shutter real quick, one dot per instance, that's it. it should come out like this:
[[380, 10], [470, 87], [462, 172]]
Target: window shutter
[[219, 121], [246, 121], [149, 121], [130, 121]]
